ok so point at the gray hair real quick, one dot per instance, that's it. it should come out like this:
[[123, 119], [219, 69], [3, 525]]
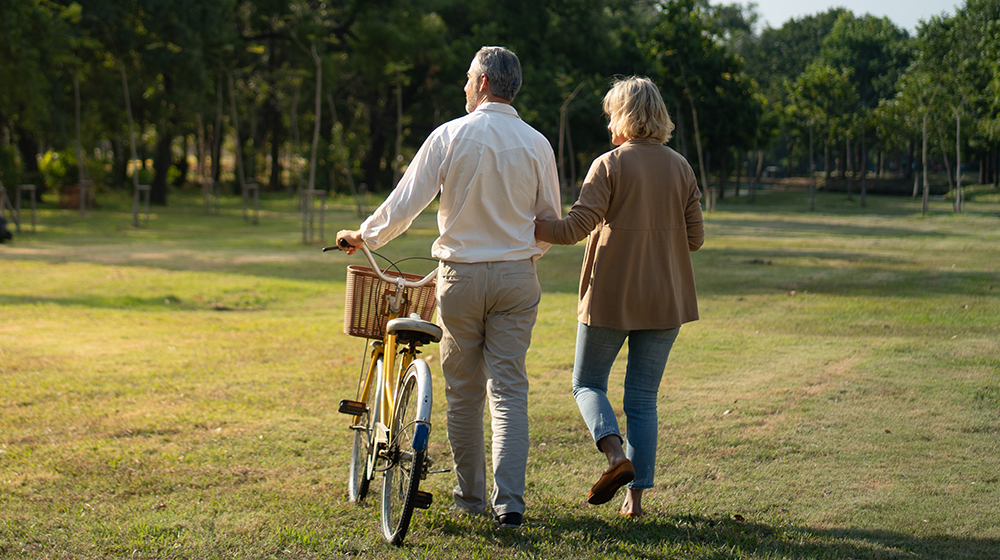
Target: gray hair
[[502, 69]]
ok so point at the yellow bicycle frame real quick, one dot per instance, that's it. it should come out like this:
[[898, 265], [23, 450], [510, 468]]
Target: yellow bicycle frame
[[389, 353]]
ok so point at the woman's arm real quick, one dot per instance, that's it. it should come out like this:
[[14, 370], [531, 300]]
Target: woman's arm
[[692, 214], [585, 214]]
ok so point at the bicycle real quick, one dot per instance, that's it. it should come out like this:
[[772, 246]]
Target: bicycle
[[391, 413]]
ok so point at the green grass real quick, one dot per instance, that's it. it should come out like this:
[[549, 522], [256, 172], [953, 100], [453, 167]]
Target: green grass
[[170, 392]]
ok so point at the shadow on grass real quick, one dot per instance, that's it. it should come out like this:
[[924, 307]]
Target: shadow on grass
[[737, 228], [857, 274], [698, 536], [159, 303], [795, 202]]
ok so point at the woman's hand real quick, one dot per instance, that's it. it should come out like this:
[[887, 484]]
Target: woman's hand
[[541, 231]]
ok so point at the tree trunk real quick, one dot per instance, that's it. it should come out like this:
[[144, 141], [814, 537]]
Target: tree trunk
[[944, 155], [706, 189], [119, 173], [827, 160], [346, 159], [959, 195], [864, 167], [812, 171], [182, 165], [241, 179], [162, 160], [910, 159], [397, 160], [319, 116], [131, 126], [371, 165], [739, 172], [923, 155], [722, 173], [79, 146], [273, 117], [296, 142], [756, 181], [993, 167], [217, 135], [680, 133], [842, 162], [28, 146], [847, 164]]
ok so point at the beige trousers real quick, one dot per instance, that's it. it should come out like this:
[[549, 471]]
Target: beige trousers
[[487, 313]]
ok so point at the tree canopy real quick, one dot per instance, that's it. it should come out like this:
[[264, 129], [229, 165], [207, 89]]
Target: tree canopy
[[369, 79]]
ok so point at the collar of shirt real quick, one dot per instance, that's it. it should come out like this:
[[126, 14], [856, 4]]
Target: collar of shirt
[[496, 106]]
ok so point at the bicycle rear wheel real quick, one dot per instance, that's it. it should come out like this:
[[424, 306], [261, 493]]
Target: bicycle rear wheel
[[364, 442], [407, 454]]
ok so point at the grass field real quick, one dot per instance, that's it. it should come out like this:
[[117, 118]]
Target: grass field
[[170, 392]]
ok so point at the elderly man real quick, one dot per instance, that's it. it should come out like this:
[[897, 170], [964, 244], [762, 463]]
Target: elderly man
[[496, 175]]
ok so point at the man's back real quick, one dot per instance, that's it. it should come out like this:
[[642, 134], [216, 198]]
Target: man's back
[[494, 174]]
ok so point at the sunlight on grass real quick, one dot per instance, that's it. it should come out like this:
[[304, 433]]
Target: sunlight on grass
[[171, 392]]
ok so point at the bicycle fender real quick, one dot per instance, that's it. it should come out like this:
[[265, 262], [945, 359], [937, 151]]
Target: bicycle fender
[[421, 434], [422, 372]]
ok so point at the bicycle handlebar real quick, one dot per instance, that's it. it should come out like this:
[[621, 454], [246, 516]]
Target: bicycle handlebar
[[343, 246]]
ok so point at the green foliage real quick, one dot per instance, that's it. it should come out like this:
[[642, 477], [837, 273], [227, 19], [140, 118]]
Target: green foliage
[[874, 49], [10, 173], [373, 53]]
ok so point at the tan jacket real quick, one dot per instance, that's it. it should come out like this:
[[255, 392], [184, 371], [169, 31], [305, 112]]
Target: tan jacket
[[640, 205]]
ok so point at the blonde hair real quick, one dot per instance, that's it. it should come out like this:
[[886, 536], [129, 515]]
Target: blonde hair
[[636, 110]]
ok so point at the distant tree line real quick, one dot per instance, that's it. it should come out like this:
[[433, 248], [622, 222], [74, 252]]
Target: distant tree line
[[297, 94]]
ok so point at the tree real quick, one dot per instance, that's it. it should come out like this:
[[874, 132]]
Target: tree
[[943, 42], [820, 98], [694, 66], [780, 54], [34, 44]]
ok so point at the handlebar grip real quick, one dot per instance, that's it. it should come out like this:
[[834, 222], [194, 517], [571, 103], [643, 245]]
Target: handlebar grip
[[342, 245]]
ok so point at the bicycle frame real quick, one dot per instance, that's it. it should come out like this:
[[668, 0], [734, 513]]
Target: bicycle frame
[[389, 383]]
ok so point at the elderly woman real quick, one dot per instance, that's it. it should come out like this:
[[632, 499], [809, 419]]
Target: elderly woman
[[640, 206]]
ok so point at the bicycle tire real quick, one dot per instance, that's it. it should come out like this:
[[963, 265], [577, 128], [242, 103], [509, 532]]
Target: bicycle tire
[[364, 443], [408, 451]]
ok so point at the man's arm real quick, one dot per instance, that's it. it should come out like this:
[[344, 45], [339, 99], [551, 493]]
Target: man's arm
[[417, 188], [547, 201]]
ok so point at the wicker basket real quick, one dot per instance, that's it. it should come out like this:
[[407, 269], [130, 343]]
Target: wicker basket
[[366, 308]]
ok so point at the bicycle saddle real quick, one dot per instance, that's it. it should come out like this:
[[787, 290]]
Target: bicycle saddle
[[409, 329]]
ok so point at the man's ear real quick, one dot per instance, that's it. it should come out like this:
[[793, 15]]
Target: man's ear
[[484, 85]]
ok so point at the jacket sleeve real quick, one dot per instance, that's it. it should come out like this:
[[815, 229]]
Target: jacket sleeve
[[692, 214], [589, 211]]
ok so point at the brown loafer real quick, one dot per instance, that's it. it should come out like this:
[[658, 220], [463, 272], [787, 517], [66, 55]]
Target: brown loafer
[[609, 483]]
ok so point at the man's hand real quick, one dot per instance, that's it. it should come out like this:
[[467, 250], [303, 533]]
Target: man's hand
[[349, 241]]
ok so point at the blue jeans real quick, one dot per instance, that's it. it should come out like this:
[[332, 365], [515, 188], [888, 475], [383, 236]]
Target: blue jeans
[[648, 350]]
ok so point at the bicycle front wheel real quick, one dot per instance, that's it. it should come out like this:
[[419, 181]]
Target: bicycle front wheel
[[407, 453], [364, 442]]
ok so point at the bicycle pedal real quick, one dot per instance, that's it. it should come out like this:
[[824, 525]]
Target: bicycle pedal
[[354, 408], [439, 471], [423, 500]]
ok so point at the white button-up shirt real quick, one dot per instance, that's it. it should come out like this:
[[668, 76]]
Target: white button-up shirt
[[495, 174]]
